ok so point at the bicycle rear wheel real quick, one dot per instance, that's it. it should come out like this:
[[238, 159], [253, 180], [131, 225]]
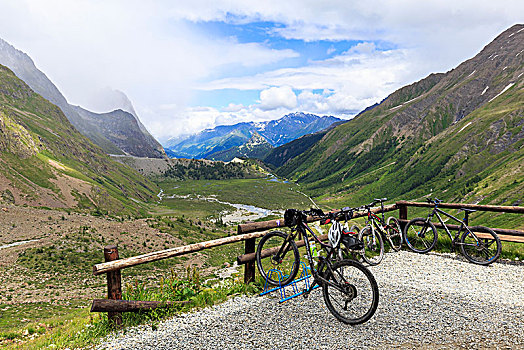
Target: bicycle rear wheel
[[354, 300], [420, 236], [373, 245], [288, 262], [482, 248], [395, 233]]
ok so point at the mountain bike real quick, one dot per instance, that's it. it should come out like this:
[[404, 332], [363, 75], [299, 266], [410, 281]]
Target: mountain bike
[[350, 290], [421, 236], [376, 230]]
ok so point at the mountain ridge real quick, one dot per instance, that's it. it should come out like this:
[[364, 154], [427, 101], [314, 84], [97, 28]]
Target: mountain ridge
[[223, 137], [24, 67], [45, 161], [395, 143]]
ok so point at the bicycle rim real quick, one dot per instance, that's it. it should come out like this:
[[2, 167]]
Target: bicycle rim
[[420, 236], [277, 272], [395, 233]]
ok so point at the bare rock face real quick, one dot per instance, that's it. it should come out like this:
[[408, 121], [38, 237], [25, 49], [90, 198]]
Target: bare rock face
[[14, 138]]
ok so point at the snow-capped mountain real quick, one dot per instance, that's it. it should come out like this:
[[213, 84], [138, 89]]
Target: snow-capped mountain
[[223, 137]]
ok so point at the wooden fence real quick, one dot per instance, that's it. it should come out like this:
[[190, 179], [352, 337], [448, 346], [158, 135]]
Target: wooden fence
[[248, 233]]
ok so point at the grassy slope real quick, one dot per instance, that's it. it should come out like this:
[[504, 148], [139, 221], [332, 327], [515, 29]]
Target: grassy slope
[[479, 159], [55, 139]]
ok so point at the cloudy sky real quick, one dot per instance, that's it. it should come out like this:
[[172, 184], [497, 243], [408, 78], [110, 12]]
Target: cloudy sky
[[190, 65]]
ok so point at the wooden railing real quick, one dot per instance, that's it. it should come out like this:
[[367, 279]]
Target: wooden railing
[[248, 233]]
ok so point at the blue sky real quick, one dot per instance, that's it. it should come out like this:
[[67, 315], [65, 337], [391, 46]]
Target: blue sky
[[192, 65]]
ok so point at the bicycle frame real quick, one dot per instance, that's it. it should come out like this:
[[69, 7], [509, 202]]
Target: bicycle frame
[[376, 222], [303, 228], [463, 224]]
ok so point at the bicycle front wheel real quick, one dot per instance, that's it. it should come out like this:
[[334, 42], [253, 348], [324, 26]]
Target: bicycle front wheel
[[279, 270], [481, 248], [395, 233], [420, 236], [373, 245], [353, 299]]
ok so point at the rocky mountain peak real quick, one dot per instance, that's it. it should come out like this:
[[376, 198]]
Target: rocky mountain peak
[[83, 120]]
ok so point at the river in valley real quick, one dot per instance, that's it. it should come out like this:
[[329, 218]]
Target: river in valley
[[238, 213]]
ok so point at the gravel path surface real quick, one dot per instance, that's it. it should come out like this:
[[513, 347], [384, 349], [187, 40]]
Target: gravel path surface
[[430, 301]]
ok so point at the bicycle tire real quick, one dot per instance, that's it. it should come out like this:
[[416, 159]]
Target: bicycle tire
[[288, 267], [415, 238], [395, 233], [358, 300], [479, 252], [354, 228], [373, 251]]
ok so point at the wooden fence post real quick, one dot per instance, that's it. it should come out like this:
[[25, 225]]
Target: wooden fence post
[[402, 214], [249, 268], [114, 283]]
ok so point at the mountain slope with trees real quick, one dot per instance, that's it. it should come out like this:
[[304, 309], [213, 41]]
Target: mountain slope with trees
[[457, 134], [45, 161]]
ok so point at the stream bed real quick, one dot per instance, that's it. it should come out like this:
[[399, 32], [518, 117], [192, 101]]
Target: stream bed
[[240, 212]]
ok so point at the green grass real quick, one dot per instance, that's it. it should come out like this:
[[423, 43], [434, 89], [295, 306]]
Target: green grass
[[262, 193], [71, 327], [195, 208]]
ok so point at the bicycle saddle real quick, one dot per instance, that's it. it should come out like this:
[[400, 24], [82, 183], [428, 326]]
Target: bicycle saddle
[[468, 210]]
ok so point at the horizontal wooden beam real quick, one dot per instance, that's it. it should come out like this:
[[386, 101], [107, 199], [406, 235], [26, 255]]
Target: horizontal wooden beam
[[267, 225], [111, 305], [168, 253], [252, 228], [495, 208]]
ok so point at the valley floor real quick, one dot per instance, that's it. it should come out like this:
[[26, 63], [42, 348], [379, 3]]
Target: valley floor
[[435, 301]]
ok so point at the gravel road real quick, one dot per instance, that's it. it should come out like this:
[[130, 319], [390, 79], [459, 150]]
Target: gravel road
[[430, 301]]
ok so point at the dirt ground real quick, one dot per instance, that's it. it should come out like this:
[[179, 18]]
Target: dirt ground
[[24, 228]]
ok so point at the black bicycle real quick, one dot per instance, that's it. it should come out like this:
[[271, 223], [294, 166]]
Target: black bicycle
[[350, 291], [482, 248]]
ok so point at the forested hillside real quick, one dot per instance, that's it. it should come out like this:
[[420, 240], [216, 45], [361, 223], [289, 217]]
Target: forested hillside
[[45, 161], [459, 135]]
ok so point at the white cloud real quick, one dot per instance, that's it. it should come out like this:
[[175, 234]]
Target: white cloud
[[233, 108], [140, 48], [151, 51], [351, 81], [277, 97]]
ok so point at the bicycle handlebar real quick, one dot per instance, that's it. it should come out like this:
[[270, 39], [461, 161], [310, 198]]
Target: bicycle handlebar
[[435, 201]]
